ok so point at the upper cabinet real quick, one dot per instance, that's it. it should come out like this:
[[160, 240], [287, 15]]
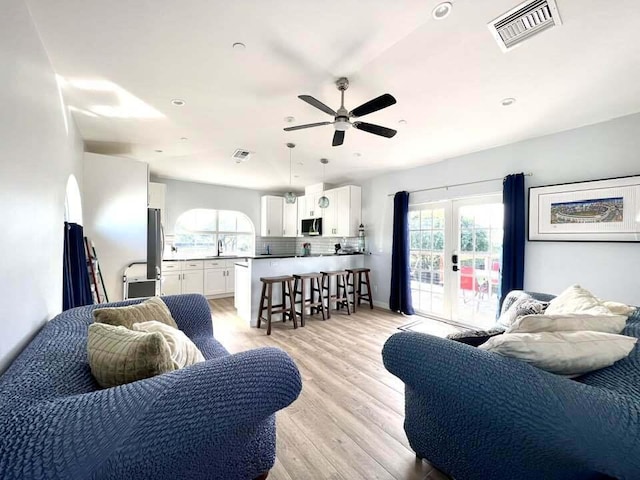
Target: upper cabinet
[[271, 216], [290, 219], [308, 206], [343, 215]]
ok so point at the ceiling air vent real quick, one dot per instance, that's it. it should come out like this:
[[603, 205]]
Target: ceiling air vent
[[241, 155], [524, 21]]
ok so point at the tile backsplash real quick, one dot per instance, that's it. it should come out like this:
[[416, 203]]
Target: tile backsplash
[[290, 246]]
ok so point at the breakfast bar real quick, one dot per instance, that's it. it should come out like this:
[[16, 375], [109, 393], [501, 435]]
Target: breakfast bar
[[248, 274]]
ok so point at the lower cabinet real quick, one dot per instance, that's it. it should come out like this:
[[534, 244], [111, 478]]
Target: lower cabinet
[[219, 280], [171, 283], [208, 277]]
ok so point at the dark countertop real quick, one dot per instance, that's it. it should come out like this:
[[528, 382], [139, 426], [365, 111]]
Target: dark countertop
[[210, 257], [313, 255]]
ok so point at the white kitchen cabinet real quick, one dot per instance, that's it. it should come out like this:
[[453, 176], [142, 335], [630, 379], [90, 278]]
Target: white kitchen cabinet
[[290, 220], [215, 281], [219, 279], [301, 202], [171, 283], [193, 282], [343, 215], [182, 276], [271, 216]]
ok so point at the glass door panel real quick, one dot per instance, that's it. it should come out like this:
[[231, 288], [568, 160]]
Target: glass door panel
[[427, 244], [479, 237]]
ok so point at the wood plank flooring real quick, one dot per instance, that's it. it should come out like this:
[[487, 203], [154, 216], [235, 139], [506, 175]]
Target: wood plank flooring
[[347, 422]]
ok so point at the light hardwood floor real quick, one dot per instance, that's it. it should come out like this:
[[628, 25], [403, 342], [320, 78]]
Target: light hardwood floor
[[347, 422]]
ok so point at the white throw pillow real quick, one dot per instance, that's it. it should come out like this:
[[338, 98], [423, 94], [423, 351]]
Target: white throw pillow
[[563, 353], [183, 350], [574, 322], [618, 308], [576, 299]]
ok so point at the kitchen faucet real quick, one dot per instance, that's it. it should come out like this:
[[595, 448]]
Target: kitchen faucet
[[220, 247]]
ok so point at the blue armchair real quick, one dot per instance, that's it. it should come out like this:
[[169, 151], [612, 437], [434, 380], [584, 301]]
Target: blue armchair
[[213, 420], [478, 415]]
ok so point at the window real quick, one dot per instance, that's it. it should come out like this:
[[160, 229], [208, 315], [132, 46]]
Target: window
[[199, 230]]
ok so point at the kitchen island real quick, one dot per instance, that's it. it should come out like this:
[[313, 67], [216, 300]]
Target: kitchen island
[[248, 273]]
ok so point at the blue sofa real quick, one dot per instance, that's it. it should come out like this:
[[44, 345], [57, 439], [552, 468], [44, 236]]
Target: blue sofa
[[478, 416], [213, 420]]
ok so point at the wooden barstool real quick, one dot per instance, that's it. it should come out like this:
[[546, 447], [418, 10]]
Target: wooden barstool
[[360, 277], [315, 300], [286, 282], [341, 298]]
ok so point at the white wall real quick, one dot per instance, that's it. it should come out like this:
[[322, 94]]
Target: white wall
[[39, 148], [610, 149], [182, 196], [115, 215]]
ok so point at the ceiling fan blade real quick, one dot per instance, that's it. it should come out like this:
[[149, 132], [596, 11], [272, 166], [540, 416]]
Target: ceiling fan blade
[[308, 125], [383, 101], [338, 138], [375, 129], [318, 104]]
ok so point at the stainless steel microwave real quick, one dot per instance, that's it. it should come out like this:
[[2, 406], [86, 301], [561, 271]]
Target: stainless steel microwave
[[312, 227]]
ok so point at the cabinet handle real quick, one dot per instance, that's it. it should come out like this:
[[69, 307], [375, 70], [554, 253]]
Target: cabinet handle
[[268, 232]]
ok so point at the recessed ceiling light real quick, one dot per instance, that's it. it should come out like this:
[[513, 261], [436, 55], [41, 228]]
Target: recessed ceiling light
[[357, 154], [158, 151], [402, 122], [239, 46], [506, 102], [296, 176], [176, 102], [300, 163], [184, 139], [442, 10], [289, 119]]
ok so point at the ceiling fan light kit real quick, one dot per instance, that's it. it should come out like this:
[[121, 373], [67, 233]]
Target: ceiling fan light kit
[[342, 117]]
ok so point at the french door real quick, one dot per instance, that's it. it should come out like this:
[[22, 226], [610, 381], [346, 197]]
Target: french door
[[456, 249]]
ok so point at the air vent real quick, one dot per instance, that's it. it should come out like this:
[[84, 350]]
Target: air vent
[[523, 22], [241, 155]]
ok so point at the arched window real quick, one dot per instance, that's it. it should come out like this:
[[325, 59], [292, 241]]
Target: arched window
[[73, 202], [199, 230]]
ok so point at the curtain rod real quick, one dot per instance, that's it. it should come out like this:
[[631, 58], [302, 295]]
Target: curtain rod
[[459, 184]]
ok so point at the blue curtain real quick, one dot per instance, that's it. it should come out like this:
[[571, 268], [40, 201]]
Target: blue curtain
[[513, 198], [76, 290], [400, 299]]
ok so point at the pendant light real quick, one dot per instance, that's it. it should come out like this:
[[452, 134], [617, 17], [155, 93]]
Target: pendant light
[[290, 196], [323, 201]]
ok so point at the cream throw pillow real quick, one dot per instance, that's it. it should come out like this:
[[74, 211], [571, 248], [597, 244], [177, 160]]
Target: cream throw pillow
[[151, 309], [118, 355], [576, 299], [183, 350], [574, 322], [618, 308], [563, 353]]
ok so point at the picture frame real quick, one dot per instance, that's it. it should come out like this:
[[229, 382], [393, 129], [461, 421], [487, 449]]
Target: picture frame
[[606, 210]]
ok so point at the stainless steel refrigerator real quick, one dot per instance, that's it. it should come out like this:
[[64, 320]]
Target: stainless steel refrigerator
[[155, 245]]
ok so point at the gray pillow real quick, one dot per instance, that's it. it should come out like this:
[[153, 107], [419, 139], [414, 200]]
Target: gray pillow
[[524, 305]]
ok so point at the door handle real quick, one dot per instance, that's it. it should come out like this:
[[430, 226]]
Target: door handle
[[455, 268]]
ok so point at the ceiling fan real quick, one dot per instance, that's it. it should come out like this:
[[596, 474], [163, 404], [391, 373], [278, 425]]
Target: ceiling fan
[[342, 118]]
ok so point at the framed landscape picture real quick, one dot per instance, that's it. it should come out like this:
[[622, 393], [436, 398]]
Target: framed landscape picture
[[596, 211]]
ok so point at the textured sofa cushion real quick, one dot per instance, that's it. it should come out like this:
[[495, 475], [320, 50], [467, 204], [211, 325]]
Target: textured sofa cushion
[[151, 309], [183, 350], [525, 304], [563, 353], [118, 355], [573, 322]]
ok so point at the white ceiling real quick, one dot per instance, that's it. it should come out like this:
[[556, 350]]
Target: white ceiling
[[448, 77]]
